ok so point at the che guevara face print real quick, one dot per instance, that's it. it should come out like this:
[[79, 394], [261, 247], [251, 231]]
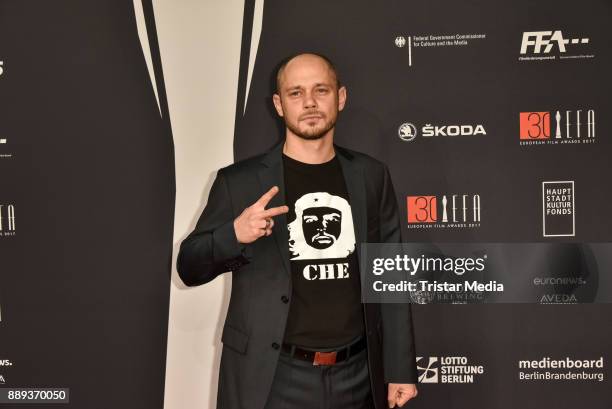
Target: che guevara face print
[[323, 227]]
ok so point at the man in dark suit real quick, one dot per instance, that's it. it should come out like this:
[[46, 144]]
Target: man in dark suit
[[288, 224]]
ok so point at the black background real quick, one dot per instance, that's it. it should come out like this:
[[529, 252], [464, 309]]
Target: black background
[[84, 283]]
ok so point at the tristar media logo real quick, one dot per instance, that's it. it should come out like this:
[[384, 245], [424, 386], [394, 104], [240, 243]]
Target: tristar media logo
[[447, 369], [557, 127], [408, 131], [444, 211], [552, 45], [558, 209]]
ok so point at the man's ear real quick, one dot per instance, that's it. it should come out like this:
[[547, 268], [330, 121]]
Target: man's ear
[[277, 104], [341, 98]]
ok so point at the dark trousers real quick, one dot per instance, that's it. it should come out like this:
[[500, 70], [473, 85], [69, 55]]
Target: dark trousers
[[301, 385]]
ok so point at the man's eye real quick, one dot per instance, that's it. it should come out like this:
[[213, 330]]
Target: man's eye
[[294, 93], [322, 90]]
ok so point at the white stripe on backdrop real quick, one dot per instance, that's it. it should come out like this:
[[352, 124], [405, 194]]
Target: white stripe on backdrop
[[199, 43]]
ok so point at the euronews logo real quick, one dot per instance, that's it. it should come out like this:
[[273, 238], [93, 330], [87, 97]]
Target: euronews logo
[[5, 362]]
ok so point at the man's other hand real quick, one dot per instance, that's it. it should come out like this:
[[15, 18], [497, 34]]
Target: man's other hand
[[400, 393], [256, 221]]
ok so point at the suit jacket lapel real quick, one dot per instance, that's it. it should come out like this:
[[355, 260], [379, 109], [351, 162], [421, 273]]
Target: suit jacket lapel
[[272, 174], [355, 185]]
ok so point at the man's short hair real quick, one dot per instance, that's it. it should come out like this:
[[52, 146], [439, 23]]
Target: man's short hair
[[285, 61]]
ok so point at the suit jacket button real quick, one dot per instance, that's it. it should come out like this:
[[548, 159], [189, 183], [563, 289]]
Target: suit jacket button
[[275, 345], [285, 299]]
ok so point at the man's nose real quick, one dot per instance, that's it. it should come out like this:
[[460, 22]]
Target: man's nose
[[309, 101]]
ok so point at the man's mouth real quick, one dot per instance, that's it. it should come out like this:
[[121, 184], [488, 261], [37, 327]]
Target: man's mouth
[[305, 118]]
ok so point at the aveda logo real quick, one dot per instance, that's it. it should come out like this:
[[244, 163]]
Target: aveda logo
[[558, 299]]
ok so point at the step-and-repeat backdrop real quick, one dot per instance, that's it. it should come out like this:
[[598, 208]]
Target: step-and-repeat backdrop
[[86, 208], [493, 117]]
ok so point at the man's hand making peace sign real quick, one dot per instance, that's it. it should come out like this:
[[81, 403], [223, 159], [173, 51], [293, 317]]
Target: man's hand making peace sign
[[256, 221]]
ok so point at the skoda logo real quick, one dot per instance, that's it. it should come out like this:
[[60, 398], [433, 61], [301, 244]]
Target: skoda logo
[[407, 132]]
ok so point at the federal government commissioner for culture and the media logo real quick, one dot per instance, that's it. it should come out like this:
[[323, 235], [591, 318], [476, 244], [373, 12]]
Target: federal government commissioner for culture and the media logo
[[414, 44]]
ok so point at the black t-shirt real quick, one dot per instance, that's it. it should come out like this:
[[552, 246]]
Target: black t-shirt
[[325, 308]]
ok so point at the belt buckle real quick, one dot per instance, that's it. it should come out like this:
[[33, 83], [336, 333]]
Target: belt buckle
[[324, 358]]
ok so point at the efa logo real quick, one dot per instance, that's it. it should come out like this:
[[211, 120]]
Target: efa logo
[[558, 124], [452, 208], [422, 209], [535, 125], [542, 42]]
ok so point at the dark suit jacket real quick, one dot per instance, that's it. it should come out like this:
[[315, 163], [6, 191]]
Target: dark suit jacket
[[261, 275]]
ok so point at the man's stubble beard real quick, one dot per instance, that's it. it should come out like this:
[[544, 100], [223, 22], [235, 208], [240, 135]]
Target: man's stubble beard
[[311, 136]]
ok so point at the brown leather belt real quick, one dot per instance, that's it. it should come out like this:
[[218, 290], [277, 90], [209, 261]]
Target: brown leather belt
[[325, 357]]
